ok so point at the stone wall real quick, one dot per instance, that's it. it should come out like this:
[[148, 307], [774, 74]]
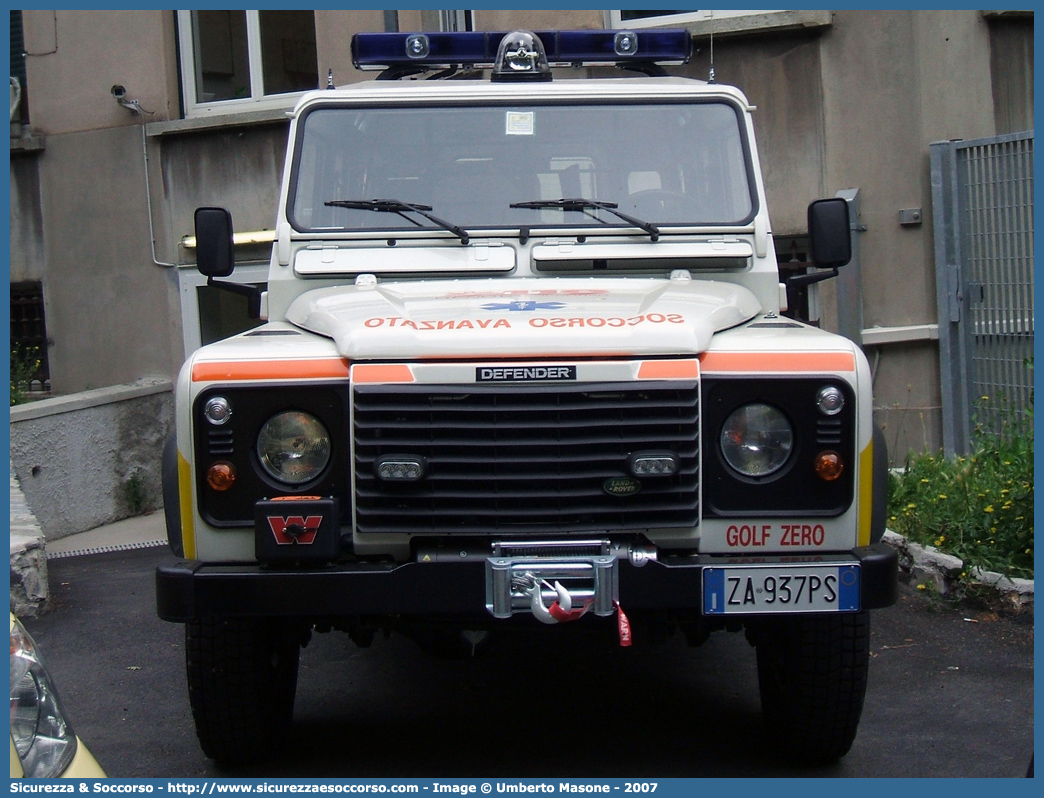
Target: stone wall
[[92, 458], [28, 559]]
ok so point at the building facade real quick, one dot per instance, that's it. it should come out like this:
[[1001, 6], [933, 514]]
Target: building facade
[[126, 121]]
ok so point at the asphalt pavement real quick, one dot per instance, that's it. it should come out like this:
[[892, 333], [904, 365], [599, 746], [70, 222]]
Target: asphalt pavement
[[950, 695]]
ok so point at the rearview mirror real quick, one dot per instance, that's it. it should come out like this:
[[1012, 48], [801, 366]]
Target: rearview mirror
[[829, 236], [214, 256]]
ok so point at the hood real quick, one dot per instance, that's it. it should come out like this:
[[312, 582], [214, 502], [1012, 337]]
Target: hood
[[523, 318]]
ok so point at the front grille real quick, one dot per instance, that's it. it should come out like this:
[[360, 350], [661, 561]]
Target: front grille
[[525, 459]]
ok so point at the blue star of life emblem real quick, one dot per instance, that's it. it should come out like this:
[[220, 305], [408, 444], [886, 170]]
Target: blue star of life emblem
[[524, 305]]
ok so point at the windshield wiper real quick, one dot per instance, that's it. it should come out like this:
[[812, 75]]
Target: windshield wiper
[[583, 205], [402, 208]]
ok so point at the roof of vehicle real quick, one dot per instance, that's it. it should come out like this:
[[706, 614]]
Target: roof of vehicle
[[622, 88]]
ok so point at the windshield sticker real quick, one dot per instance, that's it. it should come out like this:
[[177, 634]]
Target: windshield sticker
[[520, 123]]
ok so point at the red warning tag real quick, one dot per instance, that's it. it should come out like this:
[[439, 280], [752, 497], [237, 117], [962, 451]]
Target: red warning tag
[[623, 625]]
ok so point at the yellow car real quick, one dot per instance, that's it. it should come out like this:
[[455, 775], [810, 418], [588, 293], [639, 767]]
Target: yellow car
[[42, 741]]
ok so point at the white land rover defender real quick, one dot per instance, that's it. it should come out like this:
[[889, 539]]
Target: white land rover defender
[[523, 363]]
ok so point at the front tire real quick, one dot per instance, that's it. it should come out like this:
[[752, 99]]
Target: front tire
[[242, 677], [812, 673]]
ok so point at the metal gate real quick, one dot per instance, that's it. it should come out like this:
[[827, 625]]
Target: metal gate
[[982, 200]]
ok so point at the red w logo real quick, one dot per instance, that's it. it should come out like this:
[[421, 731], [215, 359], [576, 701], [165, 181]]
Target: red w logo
[[295, 529]]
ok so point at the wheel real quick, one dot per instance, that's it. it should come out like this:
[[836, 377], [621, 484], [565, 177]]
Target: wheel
[[812, 673], [242, 676]]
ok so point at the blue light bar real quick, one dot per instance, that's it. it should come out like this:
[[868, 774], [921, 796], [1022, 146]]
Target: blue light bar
[[479, 49]]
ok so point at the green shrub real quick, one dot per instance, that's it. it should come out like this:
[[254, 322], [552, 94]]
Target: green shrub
[[977, 507], [24, 365]]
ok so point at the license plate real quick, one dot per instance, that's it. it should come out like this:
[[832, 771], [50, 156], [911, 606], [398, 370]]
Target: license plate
[[780, 588]]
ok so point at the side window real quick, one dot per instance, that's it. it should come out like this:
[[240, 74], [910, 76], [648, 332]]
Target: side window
[[643, 18], [701, 23], [245, 58]]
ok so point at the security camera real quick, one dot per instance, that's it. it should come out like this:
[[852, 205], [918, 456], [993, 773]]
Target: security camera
[[119, 92]]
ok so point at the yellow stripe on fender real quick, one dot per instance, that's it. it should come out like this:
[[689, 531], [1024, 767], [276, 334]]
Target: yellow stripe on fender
[[866, 493], [188, 529]]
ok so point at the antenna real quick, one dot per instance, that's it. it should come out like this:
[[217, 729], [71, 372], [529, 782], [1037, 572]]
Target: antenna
[[710, 76]]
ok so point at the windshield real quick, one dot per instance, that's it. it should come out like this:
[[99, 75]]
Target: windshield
[[663, 164]]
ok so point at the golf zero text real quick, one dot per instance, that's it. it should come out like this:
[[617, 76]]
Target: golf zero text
[[744, 535]]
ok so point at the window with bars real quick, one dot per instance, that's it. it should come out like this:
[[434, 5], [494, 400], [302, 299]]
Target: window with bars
[[29, 334]]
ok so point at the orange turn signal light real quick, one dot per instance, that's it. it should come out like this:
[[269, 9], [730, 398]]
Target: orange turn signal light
[[221, 476], [829, 466]]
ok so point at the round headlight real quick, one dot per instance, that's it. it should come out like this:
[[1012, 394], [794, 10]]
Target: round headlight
[[43, 739], [756, 440], [293, 447]]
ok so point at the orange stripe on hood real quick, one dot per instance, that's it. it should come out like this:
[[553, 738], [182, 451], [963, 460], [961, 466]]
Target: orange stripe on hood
[[316, 369], [777, 361], [669, 370], [381, 372]]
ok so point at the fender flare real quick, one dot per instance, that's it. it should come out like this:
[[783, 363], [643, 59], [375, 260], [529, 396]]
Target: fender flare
[[172, 496], [879, 505]]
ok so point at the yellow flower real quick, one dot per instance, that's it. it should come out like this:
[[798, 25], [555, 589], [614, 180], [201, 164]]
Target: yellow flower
[[922, 587], [943, 496], [988, 508]]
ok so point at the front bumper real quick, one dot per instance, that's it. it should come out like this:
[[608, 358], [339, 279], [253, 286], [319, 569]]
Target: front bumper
[[191, 590]]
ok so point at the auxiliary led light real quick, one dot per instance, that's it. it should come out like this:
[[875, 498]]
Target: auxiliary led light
[[659, 464], [401, 468]]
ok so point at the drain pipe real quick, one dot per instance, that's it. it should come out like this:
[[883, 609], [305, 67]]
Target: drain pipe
[[148, 201], [120, 94]]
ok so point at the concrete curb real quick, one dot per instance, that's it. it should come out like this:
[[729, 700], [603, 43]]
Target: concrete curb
[[926, 565]]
